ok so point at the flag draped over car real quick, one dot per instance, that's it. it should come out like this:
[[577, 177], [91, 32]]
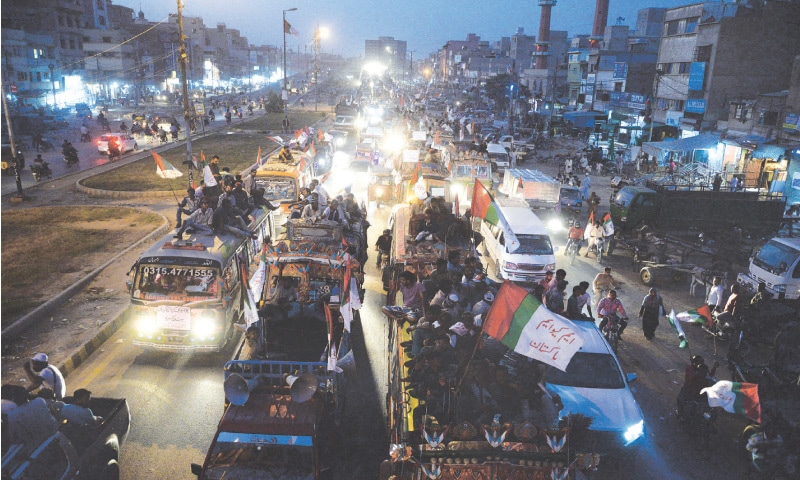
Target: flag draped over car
[[164, 169], [484, 207], [735, 397], [697, 315], [520, 322]]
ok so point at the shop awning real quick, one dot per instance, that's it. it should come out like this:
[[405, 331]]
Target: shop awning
[[698, 142], [583, 119], [769, 151]]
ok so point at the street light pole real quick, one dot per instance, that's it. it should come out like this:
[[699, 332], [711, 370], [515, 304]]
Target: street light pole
[[285, 91], [53, 83], [187, 116]]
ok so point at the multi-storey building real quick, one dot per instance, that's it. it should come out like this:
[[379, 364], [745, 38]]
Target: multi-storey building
[[715, 52]]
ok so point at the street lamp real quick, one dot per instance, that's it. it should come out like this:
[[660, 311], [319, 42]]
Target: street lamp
[[285, 91], [53, 82], [319, 34]]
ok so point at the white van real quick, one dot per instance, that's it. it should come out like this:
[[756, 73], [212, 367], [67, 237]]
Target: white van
[[777, 264], [535, 254], [499, 156]]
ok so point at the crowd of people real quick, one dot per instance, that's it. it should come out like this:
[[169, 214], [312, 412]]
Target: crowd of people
[[226, 207]]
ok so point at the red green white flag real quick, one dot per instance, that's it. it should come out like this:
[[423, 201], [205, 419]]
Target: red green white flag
[[520, 322], [697, 315], [735, 397], [164, 169], [484, 207]]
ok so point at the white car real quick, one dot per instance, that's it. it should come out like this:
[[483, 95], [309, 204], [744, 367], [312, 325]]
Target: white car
[[595, 386], [126, 142]]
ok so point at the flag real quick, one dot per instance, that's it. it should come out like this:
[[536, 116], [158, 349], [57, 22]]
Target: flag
[[523, 324], [676, 325], [276, 139], [735, 397], [436, 138], [484, 207], [164, 169], [415, 175], [208, 177], [347, 315], [259, 276], [591, 218], [302, 165], [250, 311], [608, 225], [259, 160], [313, 150], [288, 28], [697, 315]]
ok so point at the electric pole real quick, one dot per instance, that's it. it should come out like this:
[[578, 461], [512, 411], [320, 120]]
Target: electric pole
[[187, 114]]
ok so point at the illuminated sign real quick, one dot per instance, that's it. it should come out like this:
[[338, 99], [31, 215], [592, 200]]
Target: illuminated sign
[[695, 105]]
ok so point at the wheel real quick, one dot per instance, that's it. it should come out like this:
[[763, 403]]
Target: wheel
[[497, 270], [599, 255], [647, 275], [135, 147]]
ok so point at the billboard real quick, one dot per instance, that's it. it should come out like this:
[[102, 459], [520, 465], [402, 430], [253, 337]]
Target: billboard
[[695, 105], [620, 70], [697, 76]]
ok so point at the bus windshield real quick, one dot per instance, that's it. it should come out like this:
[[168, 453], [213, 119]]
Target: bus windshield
[[176, 282], [534, 245], [278, 188]]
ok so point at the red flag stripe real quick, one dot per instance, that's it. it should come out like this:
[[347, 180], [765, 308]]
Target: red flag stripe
[[501, 315]]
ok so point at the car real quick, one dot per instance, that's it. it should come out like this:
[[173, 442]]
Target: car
[[570, 199], [126, 142], [140, 117], [345, 122], [55, 122], [594, 386], [83, 111]]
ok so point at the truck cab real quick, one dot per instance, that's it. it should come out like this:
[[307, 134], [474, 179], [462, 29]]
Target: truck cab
[[634, 205], [777, 264]]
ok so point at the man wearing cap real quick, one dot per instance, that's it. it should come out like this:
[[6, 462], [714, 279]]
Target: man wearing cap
[[41, 373], [451, 306], [484, 305]]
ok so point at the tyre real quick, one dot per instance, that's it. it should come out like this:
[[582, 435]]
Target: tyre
[[647, 276], [599, 255]]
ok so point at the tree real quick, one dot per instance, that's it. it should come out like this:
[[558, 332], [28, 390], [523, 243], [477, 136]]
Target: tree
[[497, 90], [274, 103]]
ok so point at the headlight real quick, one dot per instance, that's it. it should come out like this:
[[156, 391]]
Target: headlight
[[379, 191], [634, 432], [146, 325], [554, 225], [780, 288], [552, 267], [340, 142], [204, 326], [511, 266]]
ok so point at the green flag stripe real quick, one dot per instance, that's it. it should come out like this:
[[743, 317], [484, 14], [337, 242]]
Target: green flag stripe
[[521, 318], [738, 404], [492, 216]]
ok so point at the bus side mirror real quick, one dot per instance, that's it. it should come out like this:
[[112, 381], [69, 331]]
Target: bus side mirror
[[129, 284]]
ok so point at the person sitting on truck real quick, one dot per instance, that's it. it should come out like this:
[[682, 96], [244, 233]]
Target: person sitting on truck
[[334, 213], [279, 303], [314, 209], [30, 422], [41, 373], [78, 412], [252, 347]]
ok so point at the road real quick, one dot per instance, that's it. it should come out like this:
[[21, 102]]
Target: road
[[176, 400]]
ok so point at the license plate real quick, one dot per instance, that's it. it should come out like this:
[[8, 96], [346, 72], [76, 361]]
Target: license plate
[[174, 318]]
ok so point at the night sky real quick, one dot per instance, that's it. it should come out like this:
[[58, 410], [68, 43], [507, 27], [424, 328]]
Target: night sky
[[425, 24]]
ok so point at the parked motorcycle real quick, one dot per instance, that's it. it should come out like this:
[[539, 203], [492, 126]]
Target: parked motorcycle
[[41, 170]]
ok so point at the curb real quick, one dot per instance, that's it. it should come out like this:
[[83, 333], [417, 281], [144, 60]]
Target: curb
[[51, 305], [82, 353]]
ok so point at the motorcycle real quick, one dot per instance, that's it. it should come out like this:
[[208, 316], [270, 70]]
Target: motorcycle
[[611, 329], [113, 152], [41, 170], [598, 247], [71, 158], [723, 327], [571, 250]]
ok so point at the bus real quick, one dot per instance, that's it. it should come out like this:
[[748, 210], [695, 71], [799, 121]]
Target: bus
[[282, 181], [187, 294]]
